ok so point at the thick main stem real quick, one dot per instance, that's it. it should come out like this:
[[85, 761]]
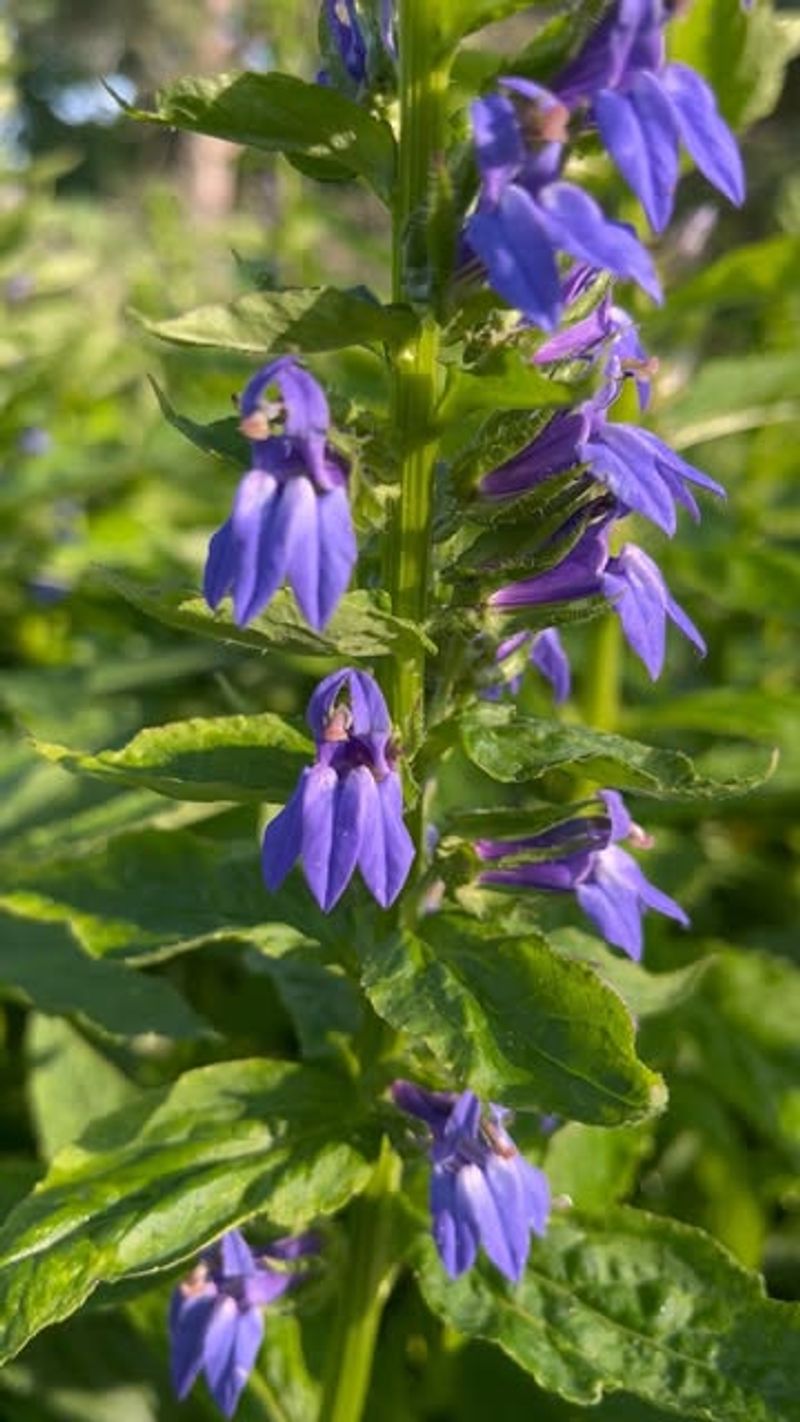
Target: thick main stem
[[423, 82], [364, 1286]]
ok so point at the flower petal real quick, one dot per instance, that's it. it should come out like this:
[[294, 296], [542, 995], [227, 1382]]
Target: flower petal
[[499, 148], [337, 552], [235, 1254], [232, 1343], [221, 563], [704, 132], [548, 656], [189, 1319], [283, 837], [575, 223], [319, 794], [455, 1232], [638, 129], [518, 256], [349, 822]]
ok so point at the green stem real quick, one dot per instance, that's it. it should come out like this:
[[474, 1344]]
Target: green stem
[[364, 1287], [600, 698], [259, 1388], [423, 87]]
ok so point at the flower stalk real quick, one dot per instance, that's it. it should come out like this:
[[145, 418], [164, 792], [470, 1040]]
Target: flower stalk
[[365, 1286], [423, 87]]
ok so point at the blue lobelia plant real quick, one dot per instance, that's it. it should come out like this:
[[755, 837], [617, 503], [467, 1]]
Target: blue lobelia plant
[[423, 849]]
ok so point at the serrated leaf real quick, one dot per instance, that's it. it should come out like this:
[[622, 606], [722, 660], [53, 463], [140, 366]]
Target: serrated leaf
[[282, 114], [44, 964], [297, 321], [510, 747], [361, 627], [154, 1182], [510, 1018], [639, 1304], [249, 758]]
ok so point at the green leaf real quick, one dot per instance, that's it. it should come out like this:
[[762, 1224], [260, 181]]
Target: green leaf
[[510, 747], [292, 322], [282, 114], [463, 17], [748, 275], [746, 1031], [644, 993], [220, 437], [743, 56], [44, 964], [152, 1183], [638, 1304], [730, 395], [207, 758], [154, 893], [596, 1166], [512, 1019], [361, 627], [509, 384], [70, 1082]]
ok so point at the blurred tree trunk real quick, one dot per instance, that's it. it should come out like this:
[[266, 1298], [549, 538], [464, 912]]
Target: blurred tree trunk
[[211, 163]]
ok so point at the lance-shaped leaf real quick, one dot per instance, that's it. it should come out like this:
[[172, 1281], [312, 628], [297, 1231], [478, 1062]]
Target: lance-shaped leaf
[[511, 747], [361, 627], [294, 322], [43, 964], [150, 894], [282, 114], [152, 1183], [513, 1020], [206, 758], [639, 1304]]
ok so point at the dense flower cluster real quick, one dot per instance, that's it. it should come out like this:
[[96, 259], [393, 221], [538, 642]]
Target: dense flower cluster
[[290, 522]]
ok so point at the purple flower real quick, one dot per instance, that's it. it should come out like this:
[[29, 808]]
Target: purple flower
[[483, 1192], [582, 856], [645, 108], [546, 653], [345, 31], [347, 810], [631, 581], [215, 1318], [34, 441], [642, 472], [526, 213], [290, 519], [607, 334]]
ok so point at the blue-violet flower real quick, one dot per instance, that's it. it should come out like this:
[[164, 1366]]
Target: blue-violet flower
[[347, 810], [526, 213], [290, 519], [582, 856], [215, 1320], [483, 1192], [645, 108]]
